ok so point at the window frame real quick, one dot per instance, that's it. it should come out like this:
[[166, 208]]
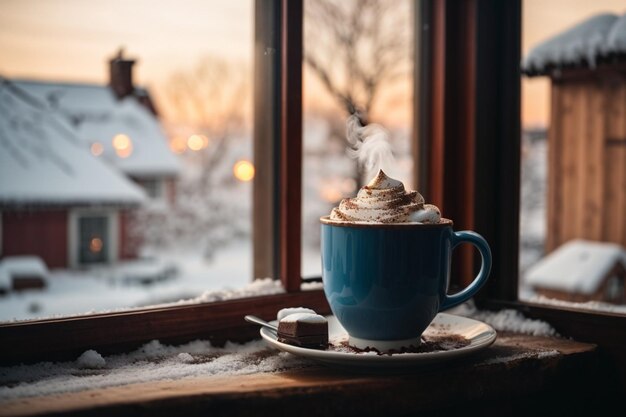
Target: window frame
[[277, 59], [486, 75], [491, 30]]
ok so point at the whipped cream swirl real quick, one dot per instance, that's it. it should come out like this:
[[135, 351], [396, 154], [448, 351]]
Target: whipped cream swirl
[[384, 200]]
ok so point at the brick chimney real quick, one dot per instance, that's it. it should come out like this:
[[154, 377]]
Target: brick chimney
[[121, 75]]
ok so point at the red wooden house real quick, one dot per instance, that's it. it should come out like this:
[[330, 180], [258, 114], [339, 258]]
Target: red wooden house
[[74, 159]]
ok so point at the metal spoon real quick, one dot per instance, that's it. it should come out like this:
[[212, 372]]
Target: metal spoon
[[257, 320]]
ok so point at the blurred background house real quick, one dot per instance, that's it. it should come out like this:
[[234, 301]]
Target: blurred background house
[[585, 191], [118, 122], [75, 160], [587, 136]]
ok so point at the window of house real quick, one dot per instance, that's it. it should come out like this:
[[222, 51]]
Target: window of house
[[94, 239], [101, 115], [573, 156], [153, 187]]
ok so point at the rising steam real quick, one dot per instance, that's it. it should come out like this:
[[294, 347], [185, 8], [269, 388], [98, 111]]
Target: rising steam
[[370, 146]]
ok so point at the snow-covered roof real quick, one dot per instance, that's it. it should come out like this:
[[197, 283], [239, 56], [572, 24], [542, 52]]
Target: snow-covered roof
[[578, 266], [42, 161], [598, 36], [98, 116], [616, 39]]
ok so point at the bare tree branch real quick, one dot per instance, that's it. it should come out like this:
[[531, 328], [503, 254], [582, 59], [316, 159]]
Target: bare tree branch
[[356, 48], [365, 42], [212, 98]]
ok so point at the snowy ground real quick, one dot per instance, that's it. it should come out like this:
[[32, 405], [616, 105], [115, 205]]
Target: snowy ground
[[104, 289]]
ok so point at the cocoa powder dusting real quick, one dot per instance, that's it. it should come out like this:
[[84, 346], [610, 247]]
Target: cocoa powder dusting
[[429, 344], [349, 203]]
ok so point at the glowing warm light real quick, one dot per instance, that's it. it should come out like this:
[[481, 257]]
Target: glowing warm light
[[348, 185], [97, 149], [178, 144], [123, 145], [331, 194], [334, 189], [197, 142], [243, 170], [95, 245], [124, 153], [121, 141]]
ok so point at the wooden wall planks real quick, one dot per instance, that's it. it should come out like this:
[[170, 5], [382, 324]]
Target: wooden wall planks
[[587, 160], [615, 164]]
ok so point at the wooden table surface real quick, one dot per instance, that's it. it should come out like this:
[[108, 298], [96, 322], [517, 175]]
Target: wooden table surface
[[515, 374]]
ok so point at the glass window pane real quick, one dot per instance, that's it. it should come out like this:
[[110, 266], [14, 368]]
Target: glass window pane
[[358, 57], [126, 157], [573, 191]]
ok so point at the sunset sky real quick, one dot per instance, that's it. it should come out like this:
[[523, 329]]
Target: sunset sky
[[69, 40]]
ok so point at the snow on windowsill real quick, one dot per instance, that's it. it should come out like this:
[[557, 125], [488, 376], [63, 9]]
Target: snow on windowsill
[[593, 306], [155, 361], [152, 362], [525, 355], [311, 286], [506, 320]]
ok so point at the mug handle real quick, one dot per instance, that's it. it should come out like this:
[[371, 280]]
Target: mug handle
[[485, 267]]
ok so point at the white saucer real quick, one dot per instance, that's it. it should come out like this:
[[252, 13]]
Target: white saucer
[[479, 334]]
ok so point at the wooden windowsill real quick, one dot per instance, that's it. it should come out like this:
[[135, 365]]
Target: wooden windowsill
[[515, 374]]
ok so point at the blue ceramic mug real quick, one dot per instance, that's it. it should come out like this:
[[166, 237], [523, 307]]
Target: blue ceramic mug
[[385, 283]]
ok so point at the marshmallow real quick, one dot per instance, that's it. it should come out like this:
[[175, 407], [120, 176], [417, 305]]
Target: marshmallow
[[292, 310]]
